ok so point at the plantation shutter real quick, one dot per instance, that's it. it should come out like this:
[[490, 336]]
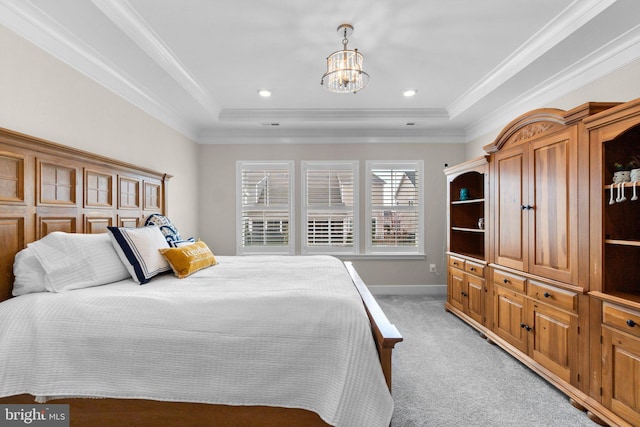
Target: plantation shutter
[[265, 207], [395, 207], [330, 207]]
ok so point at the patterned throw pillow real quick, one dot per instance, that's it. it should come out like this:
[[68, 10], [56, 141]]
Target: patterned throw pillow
[[169, 231]]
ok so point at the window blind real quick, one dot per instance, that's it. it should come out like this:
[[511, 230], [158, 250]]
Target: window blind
[[265, 211], [330, 207], [395, 201]]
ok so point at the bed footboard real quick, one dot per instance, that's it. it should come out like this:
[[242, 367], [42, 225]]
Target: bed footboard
[[385, 334]]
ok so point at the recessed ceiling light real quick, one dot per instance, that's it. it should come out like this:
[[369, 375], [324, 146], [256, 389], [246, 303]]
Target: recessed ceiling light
[[410, 92], [265, 93]]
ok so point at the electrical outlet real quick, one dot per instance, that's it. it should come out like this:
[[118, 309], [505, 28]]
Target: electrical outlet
[[432, 268]]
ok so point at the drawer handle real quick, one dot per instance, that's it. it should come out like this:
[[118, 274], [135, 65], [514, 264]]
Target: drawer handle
[[506, 280], [456, 264], [546, 294], [631, 323], [472, 269]]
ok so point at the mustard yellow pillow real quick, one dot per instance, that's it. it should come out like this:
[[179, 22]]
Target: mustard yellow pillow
[[186, 260]]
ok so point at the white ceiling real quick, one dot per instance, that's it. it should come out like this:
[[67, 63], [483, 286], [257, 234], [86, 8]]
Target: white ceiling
[[197, 65]]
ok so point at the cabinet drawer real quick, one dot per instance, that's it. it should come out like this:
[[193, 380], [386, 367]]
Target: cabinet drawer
[[549, 294], [620, 318], [456, 262], [474, 268], [508, 280]]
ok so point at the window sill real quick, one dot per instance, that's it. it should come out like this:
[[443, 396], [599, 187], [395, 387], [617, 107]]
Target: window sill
[[381, 257], [348, 257]]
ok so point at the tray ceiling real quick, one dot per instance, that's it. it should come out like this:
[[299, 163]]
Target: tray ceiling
[[197, 65]]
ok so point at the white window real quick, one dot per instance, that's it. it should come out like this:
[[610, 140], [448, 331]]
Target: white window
[[265, 207], [395, 204], [330, 207]]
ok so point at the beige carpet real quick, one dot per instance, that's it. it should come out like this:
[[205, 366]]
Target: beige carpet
[[445, 374]]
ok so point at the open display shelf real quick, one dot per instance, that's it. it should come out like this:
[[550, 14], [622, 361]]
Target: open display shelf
[[621, 220], [467, 210]]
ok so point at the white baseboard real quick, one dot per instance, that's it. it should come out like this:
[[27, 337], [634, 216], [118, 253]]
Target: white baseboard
[[432, 290]]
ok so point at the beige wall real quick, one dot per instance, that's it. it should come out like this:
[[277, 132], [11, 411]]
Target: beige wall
[[43, 97], [218, 198], [621, 85]]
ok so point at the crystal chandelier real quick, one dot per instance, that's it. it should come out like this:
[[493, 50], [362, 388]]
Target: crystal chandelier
[[344, 67]]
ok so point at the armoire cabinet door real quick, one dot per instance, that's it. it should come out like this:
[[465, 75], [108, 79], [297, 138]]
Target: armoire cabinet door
[[621, 374], [509, 316], [536, 207], [551, 206], [554, 339], [475, 297], [511, 227], [457, 288]]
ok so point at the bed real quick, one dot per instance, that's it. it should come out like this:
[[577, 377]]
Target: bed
[[250, 315]]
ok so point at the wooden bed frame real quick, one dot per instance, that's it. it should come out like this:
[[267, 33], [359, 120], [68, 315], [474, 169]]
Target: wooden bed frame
[[46, 187]]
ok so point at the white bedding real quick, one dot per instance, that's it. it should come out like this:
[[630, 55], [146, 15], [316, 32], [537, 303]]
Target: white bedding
[[264, 330]]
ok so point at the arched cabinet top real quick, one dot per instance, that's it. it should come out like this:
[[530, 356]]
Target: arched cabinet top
[[541, 121]]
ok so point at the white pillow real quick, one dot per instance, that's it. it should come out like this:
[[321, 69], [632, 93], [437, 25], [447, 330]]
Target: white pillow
[[138, 249], [29, 275], [74, 261]]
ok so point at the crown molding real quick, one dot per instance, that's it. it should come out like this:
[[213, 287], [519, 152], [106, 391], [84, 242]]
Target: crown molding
[[331, 136], [121, 13], [30, 22], [608, 58], [326, 114], [562, 26]]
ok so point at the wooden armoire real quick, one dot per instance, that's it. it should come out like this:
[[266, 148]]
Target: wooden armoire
[[557, 280]]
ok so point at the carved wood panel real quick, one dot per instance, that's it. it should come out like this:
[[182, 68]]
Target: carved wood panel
[[128, 193], [96, 224], [11, 178], [46, 225], [98, 189], [12, 240], [131, 222], [152, 196], [532, 130], [57, 184]]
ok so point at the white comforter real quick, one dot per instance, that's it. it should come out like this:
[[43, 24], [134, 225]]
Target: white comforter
[[264, 330]]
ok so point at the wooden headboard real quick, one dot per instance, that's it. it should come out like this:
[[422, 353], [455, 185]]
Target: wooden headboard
[[46, 187]]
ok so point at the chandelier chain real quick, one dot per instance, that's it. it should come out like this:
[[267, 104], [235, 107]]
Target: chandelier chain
[[344, 40]]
